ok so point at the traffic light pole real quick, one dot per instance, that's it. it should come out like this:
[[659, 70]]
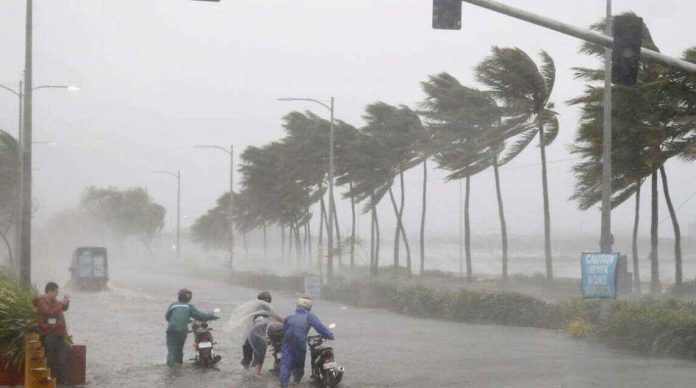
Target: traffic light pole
[[580, 33], [605, 242]]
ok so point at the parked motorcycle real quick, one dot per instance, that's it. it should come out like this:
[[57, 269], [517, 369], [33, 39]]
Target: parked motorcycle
[[325, 370], [204, 344]]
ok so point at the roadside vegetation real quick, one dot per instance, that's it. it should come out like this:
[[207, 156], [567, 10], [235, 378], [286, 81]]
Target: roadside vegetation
[[17, 316], [650, 326]]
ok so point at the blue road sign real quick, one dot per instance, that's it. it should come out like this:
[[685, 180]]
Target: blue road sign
[[599, 274]]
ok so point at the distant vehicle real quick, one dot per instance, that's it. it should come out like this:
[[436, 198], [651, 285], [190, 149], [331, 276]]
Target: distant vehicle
[[89, 268]]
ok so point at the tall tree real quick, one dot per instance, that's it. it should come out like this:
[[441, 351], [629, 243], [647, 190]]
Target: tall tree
[[524, 88], [652, 122]]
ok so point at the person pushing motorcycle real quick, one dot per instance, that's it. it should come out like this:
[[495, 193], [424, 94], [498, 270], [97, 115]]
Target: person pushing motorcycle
[[178, 315], [294, 348], [254, 348]]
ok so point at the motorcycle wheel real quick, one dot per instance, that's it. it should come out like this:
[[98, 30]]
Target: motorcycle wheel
[[330, 379]]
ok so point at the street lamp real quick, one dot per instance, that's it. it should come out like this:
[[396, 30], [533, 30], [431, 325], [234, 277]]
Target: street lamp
[[176, 175], [23, 243], [230, 205], [330, 107]]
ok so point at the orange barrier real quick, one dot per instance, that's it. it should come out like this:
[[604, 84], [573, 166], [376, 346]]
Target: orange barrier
[[36, 371]]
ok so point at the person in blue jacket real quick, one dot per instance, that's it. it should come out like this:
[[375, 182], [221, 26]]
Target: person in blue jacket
[[294, 347], [178, 315]]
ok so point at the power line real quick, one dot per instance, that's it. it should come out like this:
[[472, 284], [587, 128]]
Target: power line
[[679, 207]]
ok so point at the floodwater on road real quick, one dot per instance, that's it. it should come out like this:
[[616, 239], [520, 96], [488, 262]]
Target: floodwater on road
[[124, 330]]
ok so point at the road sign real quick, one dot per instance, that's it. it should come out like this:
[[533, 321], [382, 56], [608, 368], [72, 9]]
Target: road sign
[[313, 287], [599, 274]]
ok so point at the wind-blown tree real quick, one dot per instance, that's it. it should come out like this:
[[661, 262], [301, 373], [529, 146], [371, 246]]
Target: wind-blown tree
[[524, 88], [467, 133], [398, 130], [651, 124], [368, 172], [125, 212], [9, 180]]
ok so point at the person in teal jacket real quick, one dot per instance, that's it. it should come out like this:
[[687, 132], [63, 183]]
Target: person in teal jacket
[[178, 315]]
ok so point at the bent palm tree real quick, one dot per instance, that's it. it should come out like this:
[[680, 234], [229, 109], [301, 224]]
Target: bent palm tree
[[525, 90]]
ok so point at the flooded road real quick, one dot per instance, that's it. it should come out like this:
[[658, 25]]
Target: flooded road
[[124, 330]]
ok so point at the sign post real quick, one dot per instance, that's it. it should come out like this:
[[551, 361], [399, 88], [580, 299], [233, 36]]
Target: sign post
[[599, 275], [313, 287]]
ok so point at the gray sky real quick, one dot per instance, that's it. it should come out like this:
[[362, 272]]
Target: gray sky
[[159, 76]]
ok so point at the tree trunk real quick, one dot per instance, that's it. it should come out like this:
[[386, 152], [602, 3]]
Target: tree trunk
[[291, 242], [467, 232], [298, 246], [547, 210], [377, 237], [501, 213], [678, 278], [322, 224], [423, 212], [339, 249], [308, 232], [397, 238], [400, 227], [352, 228], [246, 246], [282, 243], [403, 230], [372, 236], [636, 222], [654, 262], [265, 241]]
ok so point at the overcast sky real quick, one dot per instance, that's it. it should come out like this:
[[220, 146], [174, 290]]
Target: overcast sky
[[160, 76]]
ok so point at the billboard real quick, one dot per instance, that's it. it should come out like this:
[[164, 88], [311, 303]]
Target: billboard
[[599, 274]]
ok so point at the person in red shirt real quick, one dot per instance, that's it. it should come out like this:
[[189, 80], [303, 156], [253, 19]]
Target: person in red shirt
[[53, 330]]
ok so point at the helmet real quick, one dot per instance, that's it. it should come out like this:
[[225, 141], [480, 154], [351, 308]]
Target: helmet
[[264, 296], [185, 295], [304, 302]]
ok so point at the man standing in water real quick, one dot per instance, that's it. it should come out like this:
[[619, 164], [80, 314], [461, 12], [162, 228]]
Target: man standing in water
[[53, 330], [178, 315]]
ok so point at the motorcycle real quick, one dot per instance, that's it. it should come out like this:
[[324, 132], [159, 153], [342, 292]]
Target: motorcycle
[[204, 344], [274, 336], [325, 370]]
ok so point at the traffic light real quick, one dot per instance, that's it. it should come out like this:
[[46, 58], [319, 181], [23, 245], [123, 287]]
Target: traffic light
[[628, 38], [447, 14]]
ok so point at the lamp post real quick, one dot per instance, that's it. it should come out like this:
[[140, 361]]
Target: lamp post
[[230, 206], [23, 222], [329, 229], [176, 175]]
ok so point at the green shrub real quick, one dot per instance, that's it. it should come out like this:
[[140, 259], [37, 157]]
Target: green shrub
[[17, 316], [649, 326]]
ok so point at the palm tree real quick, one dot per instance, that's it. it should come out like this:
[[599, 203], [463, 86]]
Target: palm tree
[[398, 130], [651, 124], [367, 170], [464, 123], [524, 88]]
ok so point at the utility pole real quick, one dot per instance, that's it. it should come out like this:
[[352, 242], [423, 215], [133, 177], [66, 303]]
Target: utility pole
[[606, 236], [25, 176], [230, 205]]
